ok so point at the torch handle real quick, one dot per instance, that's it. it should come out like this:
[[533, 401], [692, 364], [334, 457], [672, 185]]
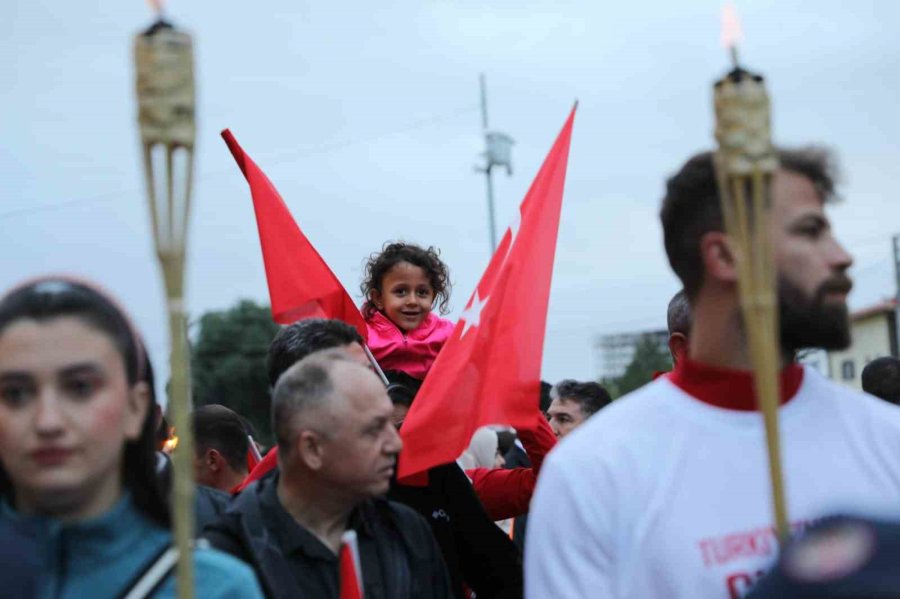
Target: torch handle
[[767, 373], [179, 409], [166, 107], [750, 232], [745, 162]]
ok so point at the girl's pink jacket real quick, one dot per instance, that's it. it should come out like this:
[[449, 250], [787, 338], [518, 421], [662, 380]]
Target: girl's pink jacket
[[413, 352]]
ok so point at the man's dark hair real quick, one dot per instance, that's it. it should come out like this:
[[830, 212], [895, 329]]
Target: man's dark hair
[[505, 441], [296, 341], [881, 378], [545, 400], [248, 427], [400, 394], [217, 427], [402, 388], [590, 396], [691, 207], [678, 316]]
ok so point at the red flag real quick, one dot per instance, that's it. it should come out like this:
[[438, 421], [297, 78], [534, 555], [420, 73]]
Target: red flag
[[350, 569], [489, 370], [300, 283]]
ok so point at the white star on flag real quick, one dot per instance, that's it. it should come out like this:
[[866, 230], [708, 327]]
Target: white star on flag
[[472, 314]]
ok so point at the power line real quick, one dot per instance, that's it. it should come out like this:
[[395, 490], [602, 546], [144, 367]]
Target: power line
[[281, 158]]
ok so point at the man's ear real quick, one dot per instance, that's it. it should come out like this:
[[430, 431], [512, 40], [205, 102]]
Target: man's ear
[[718, 257], [136, 410], [214, 459], [677, 346], [308, 445]]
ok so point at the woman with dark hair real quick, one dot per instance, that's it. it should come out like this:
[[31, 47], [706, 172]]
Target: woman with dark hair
[[77, 450]]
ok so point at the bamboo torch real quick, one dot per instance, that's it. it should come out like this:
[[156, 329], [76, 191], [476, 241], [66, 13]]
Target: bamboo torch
[[745, 164], [165, 92]]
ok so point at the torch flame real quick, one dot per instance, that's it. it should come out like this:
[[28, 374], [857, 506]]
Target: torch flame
[[157, 6], [732, 34], [171, 443]]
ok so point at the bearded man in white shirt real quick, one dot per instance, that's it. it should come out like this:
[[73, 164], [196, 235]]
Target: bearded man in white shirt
[[666, 492]]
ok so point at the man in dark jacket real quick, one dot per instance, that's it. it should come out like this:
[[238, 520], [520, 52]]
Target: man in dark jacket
[[477, 553], [337, 448], [209, 503]]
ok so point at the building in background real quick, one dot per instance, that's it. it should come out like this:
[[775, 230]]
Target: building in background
[[615, 352], [874, 334]]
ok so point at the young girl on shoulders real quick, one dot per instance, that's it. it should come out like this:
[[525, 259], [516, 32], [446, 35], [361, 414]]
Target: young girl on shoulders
[[402, 285]]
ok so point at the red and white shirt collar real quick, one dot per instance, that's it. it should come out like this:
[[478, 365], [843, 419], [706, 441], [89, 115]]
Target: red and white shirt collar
[[728, 388]]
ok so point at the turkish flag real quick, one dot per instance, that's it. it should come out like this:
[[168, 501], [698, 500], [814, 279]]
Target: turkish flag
[[350, 569], [300, 283], [489, 370]]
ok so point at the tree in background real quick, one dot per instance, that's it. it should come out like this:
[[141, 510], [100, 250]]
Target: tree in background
[[649, 358], [228, 363]]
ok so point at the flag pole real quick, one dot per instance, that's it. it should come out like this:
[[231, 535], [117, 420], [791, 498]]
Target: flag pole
[[254, 449], [376, 366], [350, 567]]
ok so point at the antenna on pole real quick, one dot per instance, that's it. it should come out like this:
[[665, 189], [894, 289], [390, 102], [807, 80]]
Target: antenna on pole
[[497, 153]]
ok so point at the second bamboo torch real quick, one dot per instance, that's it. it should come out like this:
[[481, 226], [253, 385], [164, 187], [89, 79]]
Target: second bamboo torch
[[745, 163]]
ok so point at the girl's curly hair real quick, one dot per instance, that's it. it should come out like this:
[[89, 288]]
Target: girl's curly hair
[[429, 260]]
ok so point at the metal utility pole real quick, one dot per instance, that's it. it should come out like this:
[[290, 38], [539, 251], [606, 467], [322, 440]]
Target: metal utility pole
[[497, 153], [487, 169], [895, 242]]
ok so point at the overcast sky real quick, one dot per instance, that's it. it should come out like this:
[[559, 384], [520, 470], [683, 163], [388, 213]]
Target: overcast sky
[[365, 116]]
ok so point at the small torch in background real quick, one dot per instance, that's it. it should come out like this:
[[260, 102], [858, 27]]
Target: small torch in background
[[164, 65], [745, 163], [171, 443]]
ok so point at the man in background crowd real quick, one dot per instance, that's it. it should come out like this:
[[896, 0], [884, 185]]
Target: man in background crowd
[[678, 319], [220, 447], [477, 554], [572, 403], [881, 378], [337, 449]]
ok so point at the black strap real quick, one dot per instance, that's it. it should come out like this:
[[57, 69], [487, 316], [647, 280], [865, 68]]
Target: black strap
[[148, 579]]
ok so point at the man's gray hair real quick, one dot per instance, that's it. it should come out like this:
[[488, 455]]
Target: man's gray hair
[[305, 386], [678, 317]]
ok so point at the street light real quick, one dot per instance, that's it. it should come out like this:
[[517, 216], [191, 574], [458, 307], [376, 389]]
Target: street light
[[498, 152]]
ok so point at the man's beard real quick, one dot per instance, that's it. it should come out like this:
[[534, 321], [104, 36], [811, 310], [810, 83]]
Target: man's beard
[[811, 322]]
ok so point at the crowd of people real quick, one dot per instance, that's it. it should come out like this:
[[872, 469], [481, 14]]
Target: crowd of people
[[661, 493]]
